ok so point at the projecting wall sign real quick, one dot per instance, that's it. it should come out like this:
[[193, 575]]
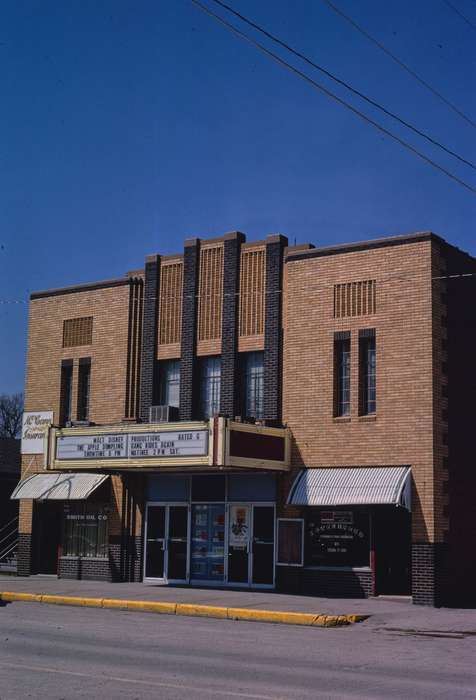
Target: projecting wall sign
[[34, 428], [186, 443]]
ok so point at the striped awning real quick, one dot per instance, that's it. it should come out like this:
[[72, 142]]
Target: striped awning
[[352, 486], [46, 487]]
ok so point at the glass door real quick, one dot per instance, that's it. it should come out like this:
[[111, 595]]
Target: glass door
[[177, 536], [239, 526], [155, 542], [262, 554]]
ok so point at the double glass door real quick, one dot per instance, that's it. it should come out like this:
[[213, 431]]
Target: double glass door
[[210, 543], [166, 542], [251, 545]]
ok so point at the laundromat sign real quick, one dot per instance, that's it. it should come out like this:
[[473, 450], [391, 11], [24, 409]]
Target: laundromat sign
[[184, 443]]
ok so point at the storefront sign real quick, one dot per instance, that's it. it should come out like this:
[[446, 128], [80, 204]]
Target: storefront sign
[[338, 538], [186, 443], [34, 429]]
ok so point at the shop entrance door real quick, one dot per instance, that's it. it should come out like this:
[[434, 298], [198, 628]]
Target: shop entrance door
[[251, 545], [166, 546]]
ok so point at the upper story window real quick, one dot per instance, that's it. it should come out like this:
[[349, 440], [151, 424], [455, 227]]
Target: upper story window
[[342, 374], [253, 385], [84, 388], [66, 391], [169, 383], [210, 384], [368, 366], [77, 331]]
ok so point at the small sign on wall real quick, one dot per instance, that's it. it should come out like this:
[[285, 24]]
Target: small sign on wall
[[34, 430]]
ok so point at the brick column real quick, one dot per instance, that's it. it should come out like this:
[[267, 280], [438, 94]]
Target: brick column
[[189, 327], [272, 329], [430, 573], [229, 353], [149, 335]]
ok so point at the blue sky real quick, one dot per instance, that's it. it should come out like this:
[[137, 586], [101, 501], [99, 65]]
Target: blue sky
[[127, 126]]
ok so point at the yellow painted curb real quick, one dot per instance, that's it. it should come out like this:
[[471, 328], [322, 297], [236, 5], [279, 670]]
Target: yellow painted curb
[[201, 610], [27, 597], [287, 618]]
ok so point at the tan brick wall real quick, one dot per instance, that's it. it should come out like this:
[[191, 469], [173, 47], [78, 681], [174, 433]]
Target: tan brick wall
[[108, 351], [402, 431]]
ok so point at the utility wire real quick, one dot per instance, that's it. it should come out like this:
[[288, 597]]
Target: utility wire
[[455, 9], [343, 83], [400, 63], [330, 94]]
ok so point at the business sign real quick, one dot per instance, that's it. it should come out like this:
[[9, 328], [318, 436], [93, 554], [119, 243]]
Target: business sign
[[34, 429], [184, 443]]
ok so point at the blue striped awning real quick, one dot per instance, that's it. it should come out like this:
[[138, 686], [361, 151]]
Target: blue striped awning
[[352, 486]]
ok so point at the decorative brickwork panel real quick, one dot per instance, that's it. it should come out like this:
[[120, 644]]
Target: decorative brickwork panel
[[355, 299], [272, 332], [189, 327], [210, 294], [134, 346], [170, 302], [252, 292], [149, 336], [229, 358], [77, 331]]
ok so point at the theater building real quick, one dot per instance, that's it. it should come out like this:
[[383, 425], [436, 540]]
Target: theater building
[[260, 415]]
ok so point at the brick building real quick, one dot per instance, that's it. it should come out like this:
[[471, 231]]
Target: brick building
[[256, 414]]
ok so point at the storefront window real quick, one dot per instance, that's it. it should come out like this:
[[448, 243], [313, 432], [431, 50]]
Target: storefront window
[[338, 538], [85, 530]]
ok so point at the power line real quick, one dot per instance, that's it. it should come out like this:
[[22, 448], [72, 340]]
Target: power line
[[400, 63], [455, 9], [330, 94], [343, 83]]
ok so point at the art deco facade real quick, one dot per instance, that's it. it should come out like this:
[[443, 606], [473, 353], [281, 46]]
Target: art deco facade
[[254, 414]]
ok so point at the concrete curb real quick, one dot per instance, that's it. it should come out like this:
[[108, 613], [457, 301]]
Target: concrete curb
[[191, 610]]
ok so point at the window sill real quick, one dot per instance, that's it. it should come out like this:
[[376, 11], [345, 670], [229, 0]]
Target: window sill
[[342, 419], [75, 557], [370, 418], [361, 569]]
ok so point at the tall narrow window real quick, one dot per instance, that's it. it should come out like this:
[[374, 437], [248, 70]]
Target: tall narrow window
[[84, 387], [66, 391], [253, 383], [210, 382], [368, 363], [169, 383], [342, 374]]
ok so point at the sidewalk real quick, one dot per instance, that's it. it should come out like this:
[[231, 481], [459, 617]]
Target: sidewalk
[[395, 614]]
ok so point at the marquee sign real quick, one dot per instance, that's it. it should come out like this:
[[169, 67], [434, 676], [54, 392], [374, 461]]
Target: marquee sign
[[183, 443]]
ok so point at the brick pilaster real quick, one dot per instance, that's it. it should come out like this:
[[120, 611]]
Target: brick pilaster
[[149, 335], [272, 330], [24, 554], [229, 355], [189, 327]]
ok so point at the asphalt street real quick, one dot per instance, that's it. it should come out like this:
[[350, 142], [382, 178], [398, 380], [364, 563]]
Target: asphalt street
[[61, 653]]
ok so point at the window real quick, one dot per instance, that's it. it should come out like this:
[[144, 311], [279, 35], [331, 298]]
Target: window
[[77, 331], [342, 374], [84, 384], [210, 381], [66, 391], [169, 383], [367, 354], [337, 538], [253, 385], [85, 530]]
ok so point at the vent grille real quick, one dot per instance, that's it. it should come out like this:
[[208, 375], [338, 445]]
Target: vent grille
[[252, 284], [355, 299], [210, 294], [77, 331], [170, 303]]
